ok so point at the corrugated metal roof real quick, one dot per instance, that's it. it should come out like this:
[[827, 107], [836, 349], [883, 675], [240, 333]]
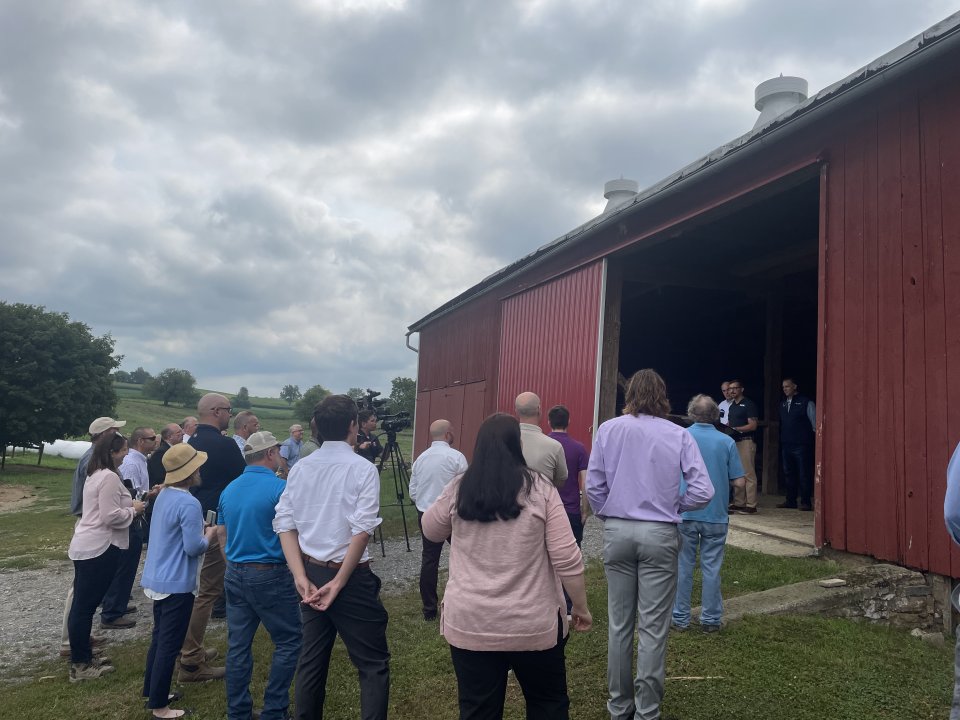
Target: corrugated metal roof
[[908, 53]]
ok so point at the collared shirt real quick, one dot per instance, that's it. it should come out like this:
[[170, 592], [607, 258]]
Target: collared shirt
[[290, 450], [719, 453], [543, 454], [436, 466], [247, 507], [134, 469], [740, 413], [724, 408], [635, 469], [240, 442], [331, 496]]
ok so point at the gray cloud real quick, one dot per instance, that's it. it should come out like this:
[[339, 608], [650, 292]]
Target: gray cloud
[[267, 193]]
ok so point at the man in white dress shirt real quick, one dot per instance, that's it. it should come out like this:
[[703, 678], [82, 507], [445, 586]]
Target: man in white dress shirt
[[724, 405], [325, 518], [436, 466]]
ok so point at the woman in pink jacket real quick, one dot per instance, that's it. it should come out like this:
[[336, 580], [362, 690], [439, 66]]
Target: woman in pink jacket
[[511, 551], [99, 536]]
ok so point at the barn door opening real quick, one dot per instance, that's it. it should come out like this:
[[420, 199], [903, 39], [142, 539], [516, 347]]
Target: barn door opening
[[732, 295]]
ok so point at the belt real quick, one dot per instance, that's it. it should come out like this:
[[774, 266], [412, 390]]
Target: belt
[[331, 563], [259, 566]]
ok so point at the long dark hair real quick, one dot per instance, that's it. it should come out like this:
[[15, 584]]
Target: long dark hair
[[103, 449], [491, 486]]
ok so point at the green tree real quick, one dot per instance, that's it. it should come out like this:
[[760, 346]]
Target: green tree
[[172, 385], [242, 398], [140, 376], [54, 375], [303, 410], [356, 393], [122, 376], [291, 393], [403, 394]]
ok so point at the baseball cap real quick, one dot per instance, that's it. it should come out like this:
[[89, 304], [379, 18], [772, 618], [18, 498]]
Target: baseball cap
[[102, 424], [262, 440]]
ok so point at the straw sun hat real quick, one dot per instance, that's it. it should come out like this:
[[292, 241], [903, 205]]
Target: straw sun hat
[[180, 462]]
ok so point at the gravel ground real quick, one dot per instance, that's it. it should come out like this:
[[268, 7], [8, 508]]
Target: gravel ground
[[31, 601]]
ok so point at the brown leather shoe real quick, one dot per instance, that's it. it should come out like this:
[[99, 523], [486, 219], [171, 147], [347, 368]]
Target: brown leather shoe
[[200, 673], [121, 623]]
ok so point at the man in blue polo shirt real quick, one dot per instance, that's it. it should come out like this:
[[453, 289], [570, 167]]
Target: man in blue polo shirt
[[706, 528], [258, 584]]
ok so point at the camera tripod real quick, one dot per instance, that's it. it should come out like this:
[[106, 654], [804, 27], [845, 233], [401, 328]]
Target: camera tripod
[[393, 457]]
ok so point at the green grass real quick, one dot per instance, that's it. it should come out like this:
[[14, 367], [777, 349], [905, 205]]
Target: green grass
[[801, 668], [31, 536]]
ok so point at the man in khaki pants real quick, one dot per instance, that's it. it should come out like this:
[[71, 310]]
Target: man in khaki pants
[[743, 416]]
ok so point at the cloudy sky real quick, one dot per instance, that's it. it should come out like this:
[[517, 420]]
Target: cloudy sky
[[271, 192]]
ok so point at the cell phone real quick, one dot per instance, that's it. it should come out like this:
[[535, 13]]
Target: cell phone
[[211, 517]]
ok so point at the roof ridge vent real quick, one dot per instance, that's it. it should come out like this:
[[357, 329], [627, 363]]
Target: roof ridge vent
[[777, 95], [619, 192]]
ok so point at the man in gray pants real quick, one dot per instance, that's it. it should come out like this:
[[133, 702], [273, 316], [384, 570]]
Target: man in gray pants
[[633, 485]]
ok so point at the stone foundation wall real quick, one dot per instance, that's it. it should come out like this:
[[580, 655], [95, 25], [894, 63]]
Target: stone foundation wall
[[899, 597]]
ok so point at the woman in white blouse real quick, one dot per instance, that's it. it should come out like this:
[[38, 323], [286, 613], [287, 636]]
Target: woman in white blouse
[[99, 536]]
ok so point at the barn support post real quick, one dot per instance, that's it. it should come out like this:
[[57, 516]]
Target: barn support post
[[772, 369], [610, 353]]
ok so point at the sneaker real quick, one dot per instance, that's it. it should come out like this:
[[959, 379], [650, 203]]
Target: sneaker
[[171, 698], [735, 509], [679, 628], [709, 629], [747, 511], [121, 623], [88, 671], [200, 673]]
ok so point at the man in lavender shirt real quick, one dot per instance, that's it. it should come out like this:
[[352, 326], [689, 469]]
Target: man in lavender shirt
[[633, 485]]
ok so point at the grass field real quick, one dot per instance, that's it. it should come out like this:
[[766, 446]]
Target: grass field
[[801, 668]]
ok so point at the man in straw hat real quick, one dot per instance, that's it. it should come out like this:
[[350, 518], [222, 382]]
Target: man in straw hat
[[171, 571], [258, 584]]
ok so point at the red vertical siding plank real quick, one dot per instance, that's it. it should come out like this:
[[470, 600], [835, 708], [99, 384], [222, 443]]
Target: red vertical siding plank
[[833, 411], [854, 353], [876, 475], [889, 388], [934, 333], [914, 380], [421, 432]]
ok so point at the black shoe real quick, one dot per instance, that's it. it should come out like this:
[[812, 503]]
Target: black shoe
[[747, 511], [787, 505], [805, 507], [130, 609], [429, 617], [218, 614]]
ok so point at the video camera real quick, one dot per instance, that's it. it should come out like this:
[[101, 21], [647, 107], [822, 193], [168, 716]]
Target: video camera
[[388, 423]]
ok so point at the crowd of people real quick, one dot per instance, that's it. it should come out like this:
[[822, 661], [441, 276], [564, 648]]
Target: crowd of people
[[281, 529]]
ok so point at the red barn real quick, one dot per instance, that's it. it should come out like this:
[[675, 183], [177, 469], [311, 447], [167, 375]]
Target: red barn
[[824, 245]]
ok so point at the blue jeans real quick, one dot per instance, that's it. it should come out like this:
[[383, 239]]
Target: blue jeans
[[261, 593], [711, 539]]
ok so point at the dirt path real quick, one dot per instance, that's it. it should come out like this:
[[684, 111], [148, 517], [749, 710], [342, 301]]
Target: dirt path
[[16, 497]]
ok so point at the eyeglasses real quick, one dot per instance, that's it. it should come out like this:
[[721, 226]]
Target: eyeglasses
[[228, 409]]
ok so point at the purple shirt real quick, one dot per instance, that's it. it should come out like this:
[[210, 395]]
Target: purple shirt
[[635, 470], [576, 456]]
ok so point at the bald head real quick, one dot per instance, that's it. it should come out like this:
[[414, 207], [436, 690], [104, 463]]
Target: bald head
[[214, 409], [528, 407], [441, 431]]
